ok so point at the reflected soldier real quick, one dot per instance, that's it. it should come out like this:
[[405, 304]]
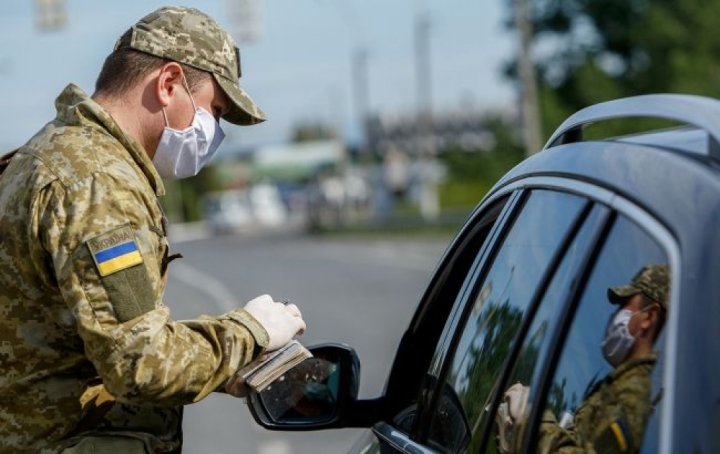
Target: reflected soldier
[[614, 415], [90, 360]]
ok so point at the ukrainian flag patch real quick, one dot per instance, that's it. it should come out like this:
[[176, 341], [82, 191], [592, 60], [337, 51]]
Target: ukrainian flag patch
[[115, 251], [618, 429]]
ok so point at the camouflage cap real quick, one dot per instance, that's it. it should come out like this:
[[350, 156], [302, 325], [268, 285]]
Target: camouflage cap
[[652, 281], [191, 37]]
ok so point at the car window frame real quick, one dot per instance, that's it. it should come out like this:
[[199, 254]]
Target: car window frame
[[428, 392], [596, 233], [472, 287], [668, 242], [496, 235], [493, 212]]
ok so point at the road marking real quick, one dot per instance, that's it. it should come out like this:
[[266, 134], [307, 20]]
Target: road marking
[[204, 283], [275, 446]]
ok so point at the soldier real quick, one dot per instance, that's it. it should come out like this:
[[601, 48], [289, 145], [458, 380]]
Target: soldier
[[613, 417], [90, 360]]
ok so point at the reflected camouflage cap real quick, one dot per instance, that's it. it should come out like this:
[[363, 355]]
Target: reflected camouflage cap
[[652, 281], [191, 37]]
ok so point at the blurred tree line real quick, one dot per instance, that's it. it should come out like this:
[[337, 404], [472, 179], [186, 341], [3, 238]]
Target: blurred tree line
[[471, 173], [589, 51]]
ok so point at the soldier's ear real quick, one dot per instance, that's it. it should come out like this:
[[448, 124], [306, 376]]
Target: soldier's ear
[[168, 81], [653, 316]]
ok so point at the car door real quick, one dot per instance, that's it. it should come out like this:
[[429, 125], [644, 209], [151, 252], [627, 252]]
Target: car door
[[587, 397], [449, 283], [496, 293], [534, 348], [493, 314]]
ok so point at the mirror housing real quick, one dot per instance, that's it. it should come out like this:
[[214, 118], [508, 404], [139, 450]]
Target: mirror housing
[[319, 393]]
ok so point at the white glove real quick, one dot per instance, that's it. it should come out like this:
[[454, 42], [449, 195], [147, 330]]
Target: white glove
[[281, 321], [511, 416], [516, 397]]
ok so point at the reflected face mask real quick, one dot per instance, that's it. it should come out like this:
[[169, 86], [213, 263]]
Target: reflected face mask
[[618, 341]]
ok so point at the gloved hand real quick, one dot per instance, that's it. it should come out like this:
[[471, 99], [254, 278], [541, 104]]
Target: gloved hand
[[511, 416], [281, 321], [516, 397]]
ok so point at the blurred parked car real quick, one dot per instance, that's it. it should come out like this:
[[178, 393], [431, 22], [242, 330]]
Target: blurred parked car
[[233, 211], [227, 211], [267, 205], [523, 300]]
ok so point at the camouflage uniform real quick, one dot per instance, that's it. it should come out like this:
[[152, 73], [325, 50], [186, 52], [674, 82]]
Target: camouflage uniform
[[87, 346], [611, 420]]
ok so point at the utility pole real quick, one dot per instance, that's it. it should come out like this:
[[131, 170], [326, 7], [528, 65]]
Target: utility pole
[[245, 19], [423, 66], [51, 14], [360, 84], [528, 81], [429, 199]]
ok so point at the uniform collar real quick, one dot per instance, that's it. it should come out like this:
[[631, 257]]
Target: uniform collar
[[633, 363], [74, 107]]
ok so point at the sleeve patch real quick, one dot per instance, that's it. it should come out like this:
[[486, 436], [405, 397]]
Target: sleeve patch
[[115, 251], [118, 259]]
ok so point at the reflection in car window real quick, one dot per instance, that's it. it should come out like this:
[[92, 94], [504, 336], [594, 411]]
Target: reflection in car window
[[447, 285], [496, 313], [606, 385], [513, 412]]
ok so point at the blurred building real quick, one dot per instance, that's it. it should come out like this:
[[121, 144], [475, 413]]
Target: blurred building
[[298, 161], [464, 129]]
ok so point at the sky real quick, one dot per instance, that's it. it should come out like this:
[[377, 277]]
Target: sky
[[298, 71]]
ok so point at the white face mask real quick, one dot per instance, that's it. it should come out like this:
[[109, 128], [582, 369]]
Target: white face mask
[[181, 154], [618, 340]]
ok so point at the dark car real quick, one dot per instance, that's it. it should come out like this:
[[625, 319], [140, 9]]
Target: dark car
[[508, 349]]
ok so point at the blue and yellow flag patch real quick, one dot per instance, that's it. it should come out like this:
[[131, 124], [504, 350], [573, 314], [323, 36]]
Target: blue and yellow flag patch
[[620, 432], [115, 251]]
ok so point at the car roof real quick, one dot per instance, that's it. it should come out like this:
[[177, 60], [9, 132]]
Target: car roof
[[677, 186]]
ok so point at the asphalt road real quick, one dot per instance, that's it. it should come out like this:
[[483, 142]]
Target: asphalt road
[[361, 292]]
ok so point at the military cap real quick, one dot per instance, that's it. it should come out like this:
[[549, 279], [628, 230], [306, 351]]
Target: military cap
[[652, 281], [191, 37]]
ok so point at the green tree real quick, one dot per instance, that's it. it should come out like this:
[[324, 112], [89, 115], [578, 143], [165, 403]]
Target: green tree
[[589, 51]]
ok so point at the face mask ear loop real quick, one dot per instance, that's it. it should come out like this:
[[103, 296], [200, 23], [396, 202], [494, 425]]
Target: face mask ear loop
[[187, 87], [165, 116]]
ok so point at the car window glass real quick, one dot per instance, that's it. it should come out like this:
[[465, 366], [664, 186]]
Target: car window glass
[[496, 313], [514, 408], [446, 286], [607, 383]]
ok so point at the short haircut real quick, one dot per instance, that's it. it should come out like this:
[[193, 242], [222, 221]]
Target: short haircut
[[125, 68], [662, 314]]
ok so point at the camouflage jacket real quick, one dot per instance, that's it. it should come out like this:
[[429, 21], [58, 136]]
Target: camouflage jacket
[[86, 343], [611, 420]]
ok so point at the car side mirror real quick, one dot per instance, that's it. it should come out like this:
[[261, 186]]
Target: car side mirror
[[315, 394]]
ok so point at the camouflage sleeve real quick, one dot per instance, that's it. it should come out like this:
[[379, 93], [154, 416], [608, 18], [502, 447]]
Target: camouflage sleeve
[[553, 439], [623, 427], [97, 235]]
